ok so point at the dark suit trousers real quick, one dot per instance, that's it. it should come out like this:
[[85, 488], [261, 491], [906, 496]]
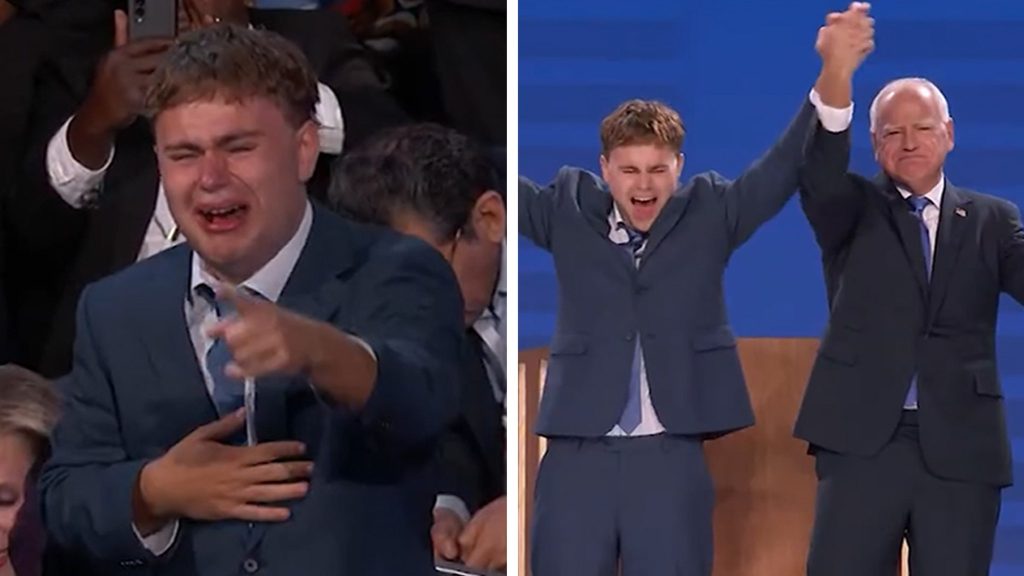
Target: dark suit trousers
[[647, 500], [866, 506]]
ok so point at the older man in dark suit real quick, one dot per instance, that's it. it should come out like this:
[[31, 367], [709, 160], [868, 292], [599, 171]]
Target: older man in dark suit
[[904, 410]]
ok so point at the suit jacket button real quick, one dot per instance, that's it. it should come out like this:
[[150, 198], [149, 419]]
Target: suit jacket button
[[250, 565], [629, 337]]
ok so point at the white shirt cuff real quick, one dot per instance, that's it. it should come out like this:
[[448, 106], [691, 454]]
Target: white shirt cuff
[[332, 124], [160, 541], [453, 503], [832, 119], [75, 183]]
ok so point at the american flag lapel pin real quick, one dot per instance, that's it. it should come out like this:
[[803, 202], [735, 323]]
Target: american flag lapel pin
[[961, 212]]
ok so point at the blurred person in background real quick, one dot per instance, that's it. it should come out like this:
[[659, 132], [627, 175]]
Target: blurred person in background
[[29, 409], [436, 184]]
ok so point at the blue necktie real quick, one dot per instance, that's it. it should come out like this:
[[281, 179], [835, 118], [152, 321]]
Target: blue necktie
[[631, 413], [919, 203], [228, 393]]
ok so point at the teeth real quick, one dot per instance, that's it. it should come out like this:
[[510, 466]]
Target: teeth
[[222, 211]]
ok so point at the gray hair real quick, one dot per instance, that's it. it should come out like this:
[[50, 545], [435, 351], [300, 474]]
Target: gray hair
[[29, 405], [900, 83]]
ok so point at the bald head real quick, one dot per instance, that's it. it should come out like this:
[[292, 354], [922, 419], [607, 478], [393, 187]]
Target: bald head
[[922, 86]]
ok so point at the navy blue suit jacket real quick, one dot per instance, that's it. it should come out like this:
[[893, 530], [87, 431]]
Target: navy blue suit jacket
[[136, 390], [889, 322], [674, 301]]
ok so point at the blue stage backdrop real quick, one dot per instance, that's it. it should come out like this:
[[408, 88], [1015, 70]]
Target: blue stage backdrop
[[737, 71]]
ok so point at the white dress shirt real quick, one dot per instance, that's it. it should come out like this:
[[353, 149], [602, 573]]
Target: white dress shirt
[[491, 328], [79, 186]]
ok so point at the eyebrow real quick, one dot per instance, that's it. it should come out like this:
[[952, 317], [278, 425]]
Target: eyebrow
[[635, 167], [221, 142]]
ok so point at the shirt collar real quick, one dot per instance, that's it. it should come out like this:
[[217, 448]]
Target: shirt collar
[[616, 233], [269, 280], [934, 195]]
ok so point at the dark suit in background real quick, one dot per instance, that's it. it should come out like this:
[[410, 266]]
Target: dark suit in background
[[27, 41], [136, 390], [472, 452], [60, 250], [938, 469], [468, 41], [647, 498]]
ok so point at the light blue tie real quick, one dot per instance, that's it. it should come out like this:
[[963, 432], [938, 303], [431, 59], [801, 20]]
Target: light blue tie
[[228, 393], [631, 413], [919, 203]]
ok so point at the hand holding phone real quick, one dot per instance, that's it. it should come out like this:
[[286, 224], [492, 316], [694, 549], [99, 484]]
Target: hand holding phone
[[152, 19]]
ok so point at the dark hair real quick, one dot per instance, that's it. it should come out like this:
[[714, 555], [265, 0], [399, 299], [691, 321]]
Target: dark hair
[[642, 122], [432, 172], [236, 63]]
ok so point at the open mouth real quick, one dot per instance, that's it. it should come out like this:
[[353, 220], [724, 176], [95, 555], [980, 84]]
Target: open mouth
[[225, 217], [643, 201]]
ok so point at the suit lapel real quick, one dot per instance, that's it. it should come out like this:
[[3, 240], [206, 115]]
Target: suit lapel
[[908, 228], [954, 218], [595, 205], [328, 253], [169, 343], [325, 255], [666, 221]]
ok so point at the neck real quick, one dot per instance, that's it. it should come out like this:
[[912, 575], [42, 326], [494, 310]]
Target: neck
[[494, 264], [230, 275], [920, 187]]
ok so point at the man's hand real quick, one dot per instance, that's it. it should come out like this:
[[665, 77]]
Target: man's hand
[[483, 541], [843, 43], [846, 39], [445, 534], [265, 339], [202, 479], [117, 95]]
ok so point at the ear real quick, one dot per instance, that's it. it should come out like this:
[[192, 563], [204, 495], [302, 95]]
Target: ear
[[876, 145], [949, 135], [308, 139], [680, 164], [488, 217], [604, 167]]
